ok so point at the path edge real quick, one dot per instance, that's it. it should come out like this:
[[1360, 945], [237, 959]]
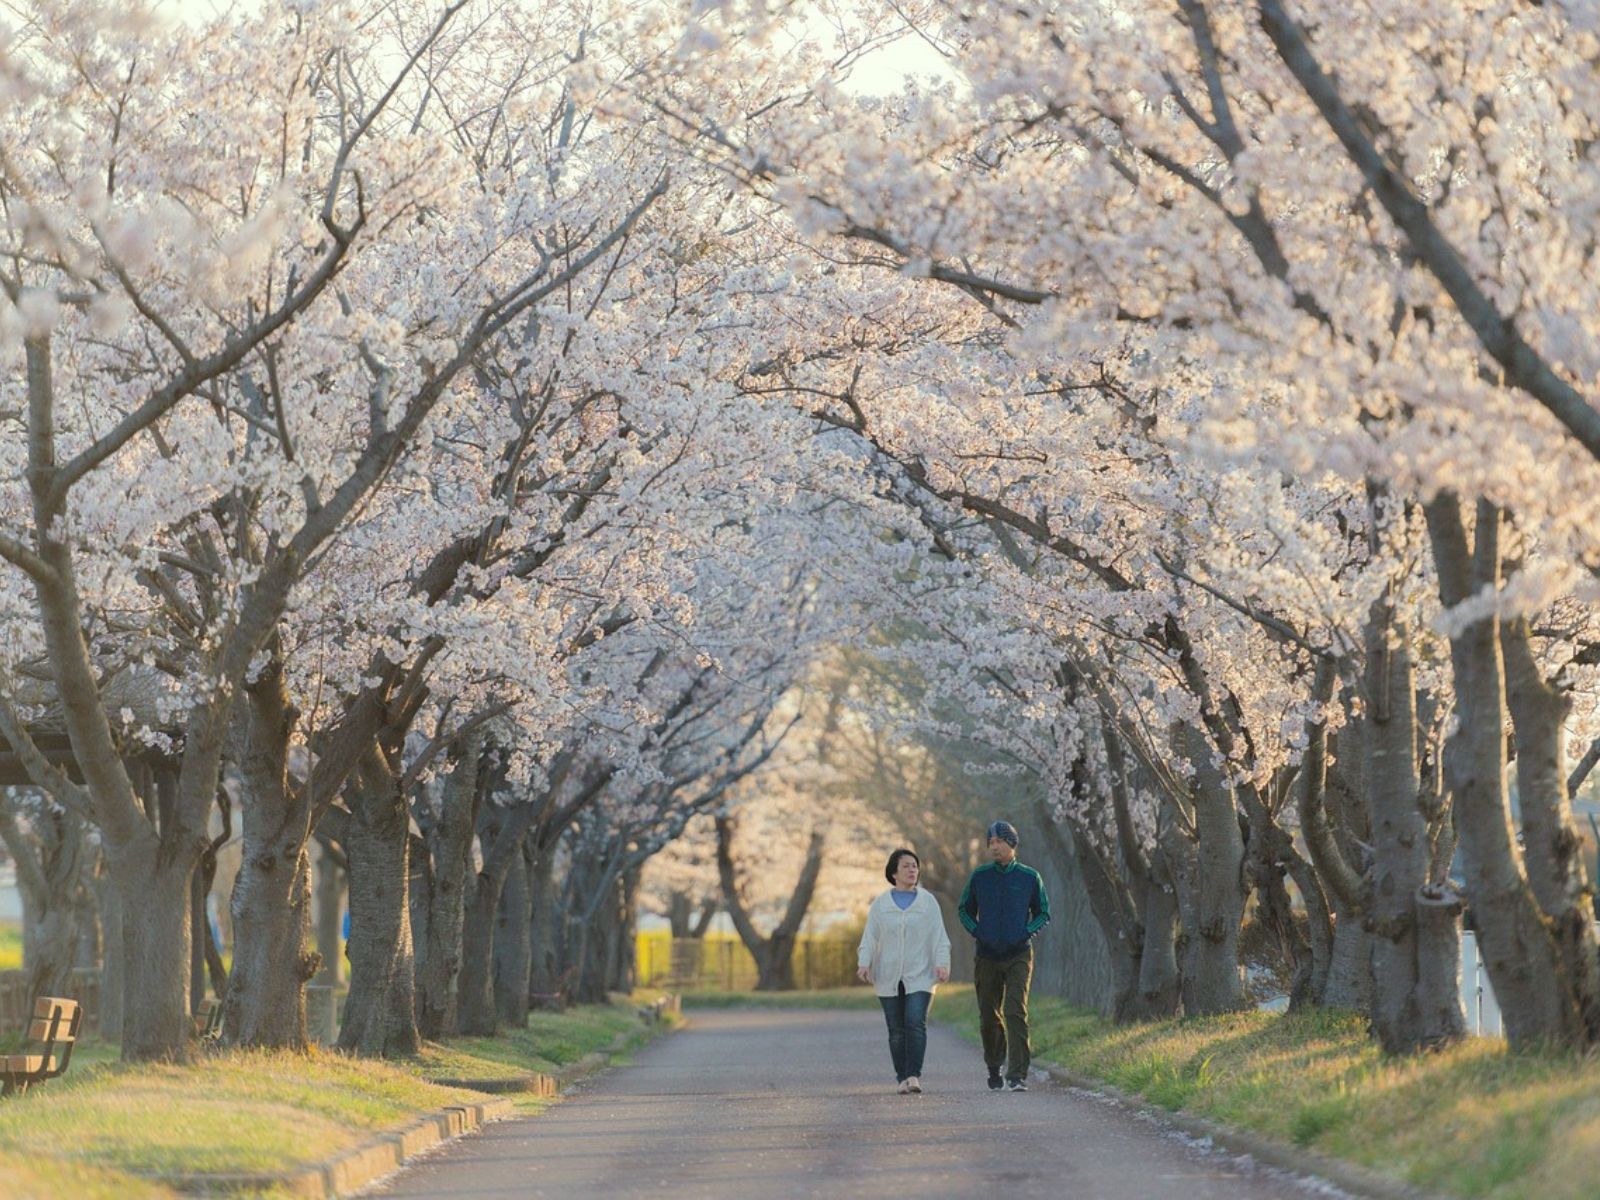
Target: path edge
[[350, 1170], [1360, 1181]]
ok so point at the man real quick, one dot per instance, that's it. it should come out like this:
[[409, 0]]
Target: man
[[1003, 906]]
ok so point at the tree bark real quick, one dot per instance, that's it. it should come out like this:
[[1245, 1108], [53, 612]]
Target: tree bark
[[329, 900], [112, 974], [1211, 908], [154, 894], [449, 840], [501, 831], [544, 925], [1536, 995], [379, 1016], [512, 948], [1412, 927], [774, 954], [1552, 845], [271, 904], [49, 861]]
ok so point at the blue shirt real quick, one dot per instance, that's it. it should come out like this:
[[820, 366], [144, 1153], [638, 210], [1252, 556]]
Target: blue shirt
[[903, 899]]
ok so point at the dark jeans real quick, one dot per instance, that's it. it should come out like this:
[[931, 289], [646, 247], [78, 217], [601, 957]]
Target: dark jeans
[[907, 1015], [1002, 988]]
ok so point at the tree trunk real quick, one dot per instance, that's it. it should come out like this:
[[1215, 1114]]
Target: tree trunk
[[1350, 967], [271, 904], [544, 925], [1160, 987], [774, 954], [112, 973], [1115, 911], [1412, 927], [625, 969], [379, 1016], [1212, 980], [1552, 846], [449, 838], [329, 900], [49, 861], [1537, 999], [512, 948], [154, 893]]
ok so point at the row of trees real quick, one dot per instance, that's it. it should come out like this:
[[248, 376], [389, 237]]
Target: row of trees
[[1234, 357], [483, 418], [372, 476]]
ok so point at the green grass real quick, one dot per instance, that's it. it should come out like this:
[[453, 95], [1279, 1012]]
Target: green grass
[[1473, 1121], [551, 1041], [92, 1132], [10, 946], [849, 997]]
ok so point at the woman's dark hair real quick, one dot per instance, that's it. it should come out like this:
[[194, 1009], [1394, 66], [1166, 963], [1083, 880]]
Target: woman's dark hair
[[894, 862]]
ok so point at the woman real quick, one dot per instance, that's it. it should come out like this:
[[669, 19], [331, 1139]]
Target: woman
[[904, 952]]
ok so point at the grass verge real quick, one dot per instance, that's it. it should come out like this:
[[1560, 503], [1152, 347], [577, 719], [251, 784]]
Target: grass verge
[[847, 997], [1473, 1121], [104, 1124]]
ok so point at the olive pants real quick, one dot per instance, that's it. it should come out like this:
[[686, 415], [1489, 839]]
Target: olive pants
[[1002, 989]]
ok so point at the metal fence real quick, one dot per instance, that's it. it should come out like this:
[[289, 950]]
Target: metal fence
[[720, 963], [1477, 996]]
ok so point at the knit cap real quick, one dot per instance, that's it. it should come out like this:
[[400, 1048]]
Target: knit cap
[[1005, 831]]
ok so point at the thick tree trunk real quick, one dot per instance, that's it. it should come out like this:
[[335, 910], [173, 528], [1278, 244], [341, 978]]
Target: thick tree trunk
[[476, 1013], [1211, 909], [379, 1016], [512, 948], [1536, 995], [1552, 846], [271, 904], [449, 838], [1115, 911], [155, 931], [544, 925], [1411, 926], [1160, 987]]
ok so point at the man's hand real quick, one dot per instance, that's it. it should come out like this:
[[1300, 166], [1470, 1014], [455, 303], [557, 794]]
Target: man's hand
[[864, 974], [942, 974]]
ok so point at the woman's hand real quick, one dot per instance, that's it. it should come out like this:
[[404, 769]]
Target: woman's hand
[[942, 974], [865, 974]]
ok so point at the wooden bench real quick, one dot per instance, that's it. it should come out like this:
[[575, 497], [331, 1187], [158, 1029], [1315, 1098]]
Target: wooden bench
[[55, 1027]]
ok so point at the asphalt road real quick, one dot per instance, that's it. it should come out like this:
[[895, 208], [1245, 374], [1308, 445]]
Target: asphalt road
[[760, 1104]]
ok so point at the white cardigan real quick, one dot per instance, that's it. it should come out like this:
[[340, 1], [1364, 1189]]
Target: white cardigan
[[904, 946]]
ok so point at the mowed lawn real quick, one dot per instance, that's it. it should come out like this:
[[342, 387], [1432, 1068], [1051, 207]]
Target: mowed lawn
[[105, 1126], [1471, 1121]]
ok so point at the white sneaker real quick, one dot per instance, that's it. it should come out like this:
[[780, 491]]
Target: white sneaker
[[914, 1085], [905, 1086]]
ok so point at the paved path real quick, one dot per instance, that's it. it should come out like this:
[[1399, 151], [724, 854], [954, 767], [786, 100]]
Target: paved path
[[759, 1104]]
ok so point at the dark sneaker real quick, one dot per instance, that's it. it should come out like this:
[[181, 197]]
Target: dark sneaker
[[1015, 1085], [995, 1082]]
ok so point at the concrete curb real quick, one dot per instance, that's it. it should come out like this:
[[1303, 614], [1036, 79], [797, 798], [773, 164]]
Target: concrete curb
[[361, 1166], [347, 1173], [536, 1084], [1359, 1181]]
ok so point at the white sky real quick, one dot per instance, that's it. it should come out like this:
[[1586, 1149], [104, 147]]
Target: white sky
[[880, 72]]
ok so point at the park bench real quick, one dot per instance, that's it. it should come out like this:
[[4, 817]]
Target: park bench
[[55, 1028], [208, 1024]]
